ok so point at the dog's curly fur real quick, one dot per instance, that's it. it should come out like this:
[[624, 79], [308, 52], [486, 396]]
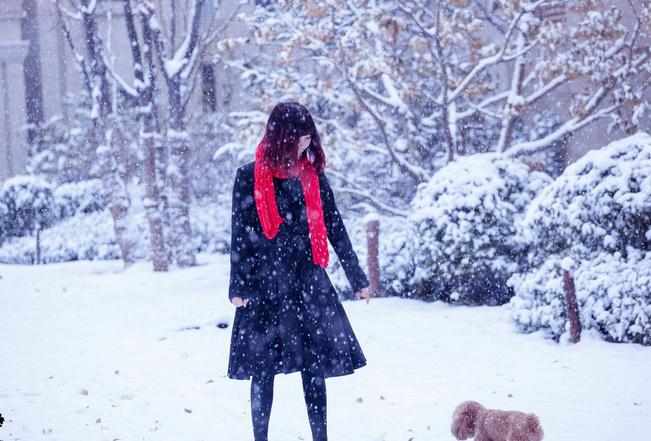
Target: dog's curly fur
[[471, 419]]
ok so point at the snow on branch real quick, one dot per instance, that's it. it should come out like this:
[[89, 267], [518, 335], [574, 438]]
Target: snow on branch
[[182, 57]]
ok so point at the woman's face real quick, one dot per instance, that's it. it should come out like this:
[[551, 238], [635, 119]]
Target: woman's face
[[303, 143]]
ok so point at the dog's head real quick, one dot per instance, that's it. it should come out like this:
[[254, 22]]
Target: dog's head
[[533, 428], [464, 419]]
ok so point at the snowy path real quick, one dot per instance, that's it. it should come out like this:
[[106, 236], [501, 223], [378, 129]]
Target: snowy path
[[91, 353]]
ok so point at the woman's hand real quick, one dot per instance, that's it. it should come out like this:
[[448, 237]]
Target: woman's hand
[[238, 301], [364, 293]]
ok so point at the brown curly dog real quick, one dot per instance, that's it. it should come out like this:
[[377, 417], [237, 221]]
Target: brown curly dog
[[472, 419]]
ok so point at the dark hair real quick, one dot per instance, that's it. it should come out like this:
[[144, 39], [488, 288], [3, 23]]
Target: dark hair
[[287, 123]]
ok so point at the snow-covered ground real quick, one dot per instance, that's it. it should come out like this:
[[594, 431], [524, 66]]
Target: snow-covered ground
[[91, 352]]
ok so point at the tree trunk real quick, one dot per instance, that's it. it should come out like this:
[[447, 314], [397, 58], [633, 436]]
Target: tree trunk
[[151, 142], [147, 112], [510, 111], [151, 203], [162, 160], [179, 195], [108, 157], [572, 307], [178, 76], [373, 258], [115, 187], [38, 246]]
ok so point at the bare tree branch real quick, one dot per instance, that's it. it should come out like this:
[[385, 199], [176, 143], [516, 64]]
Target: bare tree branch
[[71, 43], [416, 172], [356, 190], [588, 114]]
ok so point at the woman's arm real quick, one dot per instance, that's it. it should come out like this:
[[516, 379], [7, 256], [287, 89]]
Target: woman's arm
[[242, 254], [339, 237]]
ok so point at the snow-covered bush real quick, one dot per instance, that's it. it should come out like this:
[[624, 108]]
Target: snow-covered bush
[[602, 202], [29, 204], [90, 236], [81, 237], [465, 216], [397, 258], [539, 300], [211, 222], [79, 197], [61, 150], [598, 212], [4, 213], [613, 294], [396, 255]]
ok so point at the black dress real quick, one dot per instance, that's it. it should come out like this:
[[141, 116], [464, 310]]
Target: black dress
[[294, 319]]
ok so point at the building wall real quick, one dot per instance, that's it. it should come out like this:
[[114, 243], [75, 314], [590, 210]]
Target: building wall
[[12, 93]]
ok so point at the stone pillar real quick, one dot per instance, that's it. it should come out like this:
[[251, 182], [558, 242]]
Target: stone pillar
[[12, 108]]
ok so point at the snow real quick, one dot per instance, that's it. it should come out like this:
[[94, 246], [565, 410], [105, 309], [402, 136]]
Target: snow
[[88, 7], [91, 351], [568, 263]]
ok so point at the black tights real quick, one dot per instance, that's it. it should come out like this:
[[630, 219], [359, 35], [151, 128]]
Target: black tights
[[314, 389]]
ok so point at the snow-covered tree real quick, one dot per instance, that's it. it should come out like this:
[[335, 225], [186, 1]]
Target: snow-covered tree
[[93, 66], [178, 56], [60, 150], [179, 66], [409, 85], [167, 50], [142, 92]]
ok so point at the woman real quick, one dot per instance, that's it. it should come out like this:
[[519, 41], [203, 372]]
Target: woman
[[288, 315]]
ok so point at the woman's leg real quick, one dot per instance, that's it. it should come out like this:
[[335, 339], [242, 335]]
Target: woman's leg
[[262, 395], [314, 389]]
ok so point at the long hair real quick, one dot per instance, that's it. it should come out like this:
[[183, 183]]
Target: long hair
[[287, 123]]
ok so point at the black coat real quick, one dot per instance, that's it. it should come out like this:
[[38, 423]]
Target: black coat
[[294, 319]]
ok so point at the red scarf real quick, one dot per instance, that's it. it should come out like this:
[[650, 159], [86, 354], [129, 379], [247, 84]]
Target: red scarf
[[265, 200]]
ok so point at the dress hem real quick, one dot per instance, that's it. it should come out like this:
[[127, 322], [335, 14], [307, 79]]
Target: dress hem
[[298, 369]]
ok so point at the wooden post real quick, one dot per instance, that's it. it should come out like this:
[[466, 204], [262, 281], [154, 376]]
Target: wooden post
[[373, 261], [572, 307], [38, 245]]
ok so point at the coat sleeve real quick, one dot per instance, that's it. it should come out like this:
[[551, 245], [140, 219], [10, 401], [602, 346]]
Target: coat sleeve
[[339, 238], [242, 252]]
